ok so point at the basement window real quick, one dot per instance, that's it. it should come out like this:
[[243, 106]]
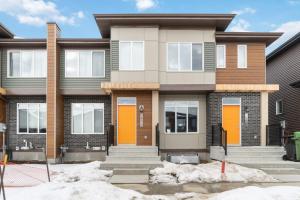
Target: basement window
[[87, 118], [279, 107], [31, 118]]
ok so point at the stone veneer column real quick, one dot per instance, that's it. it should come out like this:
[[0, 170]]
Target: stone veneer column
[[155, 114], [264, 113], [55, 111]]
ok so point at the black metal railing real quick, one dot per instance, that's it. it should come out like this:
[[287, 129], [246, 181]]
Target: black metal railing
[[219, 137], [157, 137], [274, 135], [110, 137]]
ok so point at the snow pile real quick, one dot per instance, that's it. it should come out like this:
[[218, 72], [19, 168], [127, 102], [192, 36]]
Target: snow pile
[[257, 193], [80, 172], [207, 173]]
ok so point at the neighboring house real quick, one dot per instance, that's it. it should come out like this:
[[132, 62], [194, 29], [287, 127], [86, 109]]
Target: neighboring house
[[283, 68], [181, 72]]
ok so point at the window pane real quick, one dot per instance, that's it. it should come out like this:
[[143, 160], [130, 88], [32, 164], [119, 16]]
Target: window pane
[[77, 118], [14, 68], [197, 56], [85, 64], [181, 119], [71, 64], [26, 63], [98, 121], [33, 120], [137, 55], [88, 110], [22, 121], [220, 56], [173, 56], [170, 119], [43, 119], [185, 56], [242, 56], [125, 55], [98, 64], [192, 119], [40, 64]]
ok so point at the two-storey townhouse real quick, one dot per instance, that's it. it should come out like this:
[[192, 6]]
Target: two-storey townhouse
[[163, 80]]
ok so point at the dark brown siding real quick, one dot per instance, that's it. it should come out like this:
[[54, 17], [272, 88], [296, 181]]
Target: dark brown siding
[[143, 98], [255, 72], [283, 70]]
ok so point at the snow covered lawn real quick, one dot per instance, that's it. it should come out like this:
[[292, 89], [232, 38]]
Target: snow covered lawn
[[207, 173]]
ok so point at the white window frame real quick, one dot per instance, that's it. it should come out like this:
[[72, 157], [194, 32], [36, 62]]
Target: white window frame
[[277, 106], [246, 56], [91, 51], [224, 56], [33, 51], [191, 57], [27, 105], [93, 121], [187, 122], [131, 67]]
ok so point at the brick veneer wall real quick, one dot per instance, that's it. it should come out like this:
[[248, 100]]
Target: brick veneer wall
[[13, 139], [80, 140], [248, 132]]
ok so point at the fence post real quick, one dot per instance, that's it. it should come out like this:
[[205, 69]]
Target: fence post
[[46, 159]]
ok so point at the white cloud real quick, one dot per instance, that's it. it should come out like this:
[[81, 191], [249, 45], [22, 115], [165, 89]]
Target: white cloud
[[289, 29], [37, 12], [240, 25], [145, 4], [244, 11]]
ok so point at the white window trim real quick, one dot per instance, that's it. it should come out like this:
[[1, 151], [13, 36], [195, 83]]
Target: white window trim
[[178, 51], [27, 105], [33, 63], [187, 125], [72, 131], [91, 51], [224, 56], [131, 67], [246, 56], [277, 108]]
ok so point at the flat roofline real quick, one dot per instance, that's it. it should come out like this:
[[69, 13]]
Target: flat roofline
[[84, 42], [5, 32], [218, 21], [266, 37]]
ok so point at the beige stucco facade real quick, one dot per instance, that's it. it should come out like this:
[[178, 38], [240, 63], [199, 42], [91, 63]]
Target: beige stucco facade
[[183, 140]]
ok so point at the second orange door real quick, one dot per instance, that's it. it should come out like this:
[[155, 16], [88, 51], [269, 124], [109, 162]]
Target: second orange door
[[126, 124], [231, 123]]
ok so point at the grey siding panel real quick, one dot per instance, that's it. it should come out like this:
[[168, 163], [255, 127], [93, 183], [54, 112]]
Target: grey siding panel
[[78, 141], [13, 139], [115, 55], [83, 83], [250, 132], [209, 56], [18, 82], [283, 70]]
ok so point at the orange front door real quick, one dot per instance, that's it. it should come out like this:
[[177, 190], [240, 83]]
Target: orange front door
[[126, 124], [231, 123]]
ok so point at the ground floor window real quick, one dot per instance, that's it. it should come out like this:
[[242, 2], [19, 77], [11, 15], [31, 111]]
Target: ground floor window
[[87, 118], [31, 118], [181, 116]]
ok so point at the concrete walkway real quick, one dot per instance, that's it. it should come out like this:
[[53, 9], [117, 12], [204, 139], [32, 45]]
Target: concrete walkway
[[204, 188]]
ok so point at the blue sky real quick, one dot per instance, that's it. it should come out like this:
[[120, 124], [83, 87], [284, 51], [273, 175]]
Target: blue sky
[[27, 18]]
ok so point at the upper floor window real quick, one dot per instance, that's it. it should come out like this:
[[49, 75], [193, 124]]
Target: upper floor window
[[85, 63], [221, 56], [242, 56], [31, 118], [185, 56], [131, 55], [279, 107], [27, 63]]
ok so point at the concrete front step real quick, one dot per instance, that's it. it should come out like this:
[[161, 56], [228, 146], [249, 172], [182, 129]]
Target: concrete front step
[[132, 158], [129, 179], [281, 171], [131, 171], [133, 164], [134, 150], [125, 154]]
